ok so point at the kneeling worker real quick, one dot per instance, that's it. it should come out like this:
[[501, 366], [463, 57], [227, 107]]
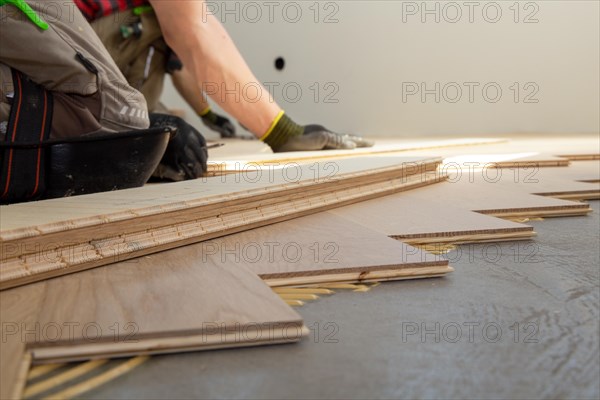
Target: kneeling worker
[[65, 104]]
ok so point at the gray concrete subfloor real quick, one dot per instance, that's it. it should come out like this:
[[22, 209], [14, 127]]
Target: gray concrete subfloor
[[517, 320]]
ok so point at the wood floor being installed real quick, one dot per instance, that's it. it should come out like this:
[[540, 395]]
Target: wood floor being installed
[[202, 296], [191, 264]]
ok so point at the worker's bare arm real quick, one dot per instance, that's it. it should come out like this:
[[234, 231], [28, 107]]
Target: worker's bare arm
[[206, 48], [190, 89]]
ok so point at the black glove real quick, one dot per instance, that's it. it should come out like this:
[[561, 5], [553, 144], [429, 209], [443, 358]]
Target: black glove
[[186, 154], [289, 136], [219, 124]]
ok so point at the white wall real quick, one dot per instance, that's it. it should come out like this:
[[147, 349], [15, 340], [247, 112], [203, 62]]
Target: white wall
[[371, 54]]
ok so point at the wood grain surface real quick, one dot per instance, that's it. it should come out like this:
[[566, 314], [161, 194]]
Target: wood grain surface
[[322, 245], [102, 208], [165, 302], [41, 251], [202, 296], [431, 214], [522, 149], [507, 151], [499, 200], [238, 155], [415, 219], [18, 311]]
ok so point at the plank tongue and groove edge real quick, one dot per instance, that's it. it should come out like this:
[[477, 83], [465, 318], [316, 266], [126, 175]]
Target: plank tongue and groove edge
[[55, 237]]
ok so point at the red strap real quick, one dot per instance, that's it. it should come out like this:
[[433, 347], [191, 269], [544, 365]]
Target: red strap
[[19, 98], [22, 176]]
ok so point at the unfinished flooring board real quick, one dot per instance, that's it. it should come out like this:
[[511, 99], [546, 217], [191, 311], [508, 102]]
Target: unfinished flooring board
[[130, 223], [163, 303], [559, 182], [72, 212], [581, 181], [519, 149], [322, 248], [431, 220], [518, 192], [506, 160], [510, 151], [443, 213], [240, 155], [18, 309], [499, 200], [580, 171]]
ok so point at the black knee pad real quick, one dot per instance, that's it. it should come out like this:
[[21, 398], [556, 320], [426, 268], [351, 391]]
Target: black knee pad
[[35, 167]]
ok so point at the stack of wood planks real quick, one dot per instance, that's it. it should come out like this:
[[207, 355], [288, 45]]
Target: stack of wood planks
[[50, 238]]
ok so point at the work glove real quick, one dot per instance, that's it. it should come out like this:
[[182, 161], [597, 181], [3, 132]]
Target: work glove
[[218, 124], [186, 155], [286, 135]]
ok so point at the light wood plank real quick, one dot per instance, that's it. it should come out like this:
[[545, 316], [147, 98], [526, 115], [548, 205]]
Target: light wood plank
[[155, 199], [430, 220], [240, 155], [322, 245], [18, 309], [511, 151], [65, 249], [435, 214], [166, 302]]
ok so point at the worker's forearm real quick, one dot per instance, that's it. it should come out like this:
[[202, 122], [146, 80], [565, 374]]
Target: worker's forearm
[[188, 87], [204, 47]]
